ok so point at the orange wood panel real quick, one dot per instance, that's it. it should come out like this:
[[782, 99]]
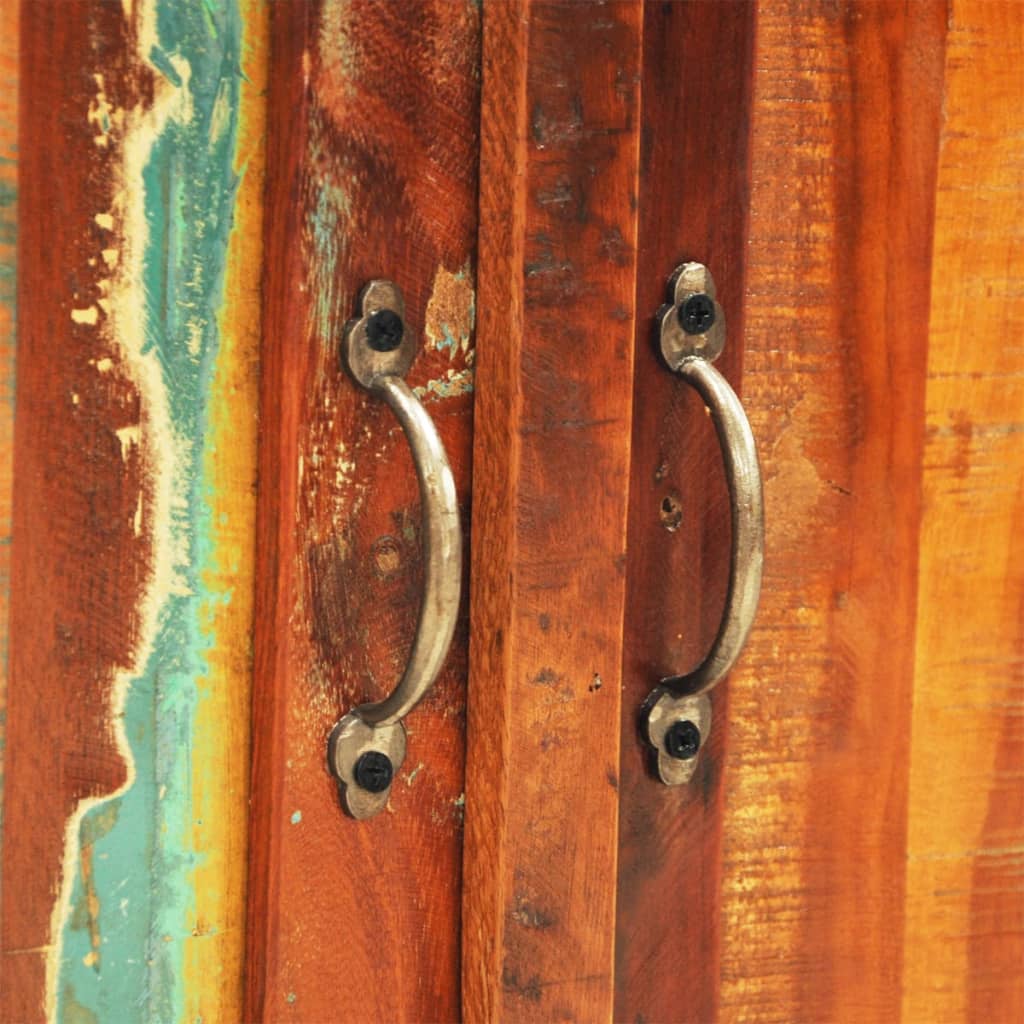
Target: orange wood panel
[[963, 957], [551, 464], [846, 115], [693, 204], [372, 161]]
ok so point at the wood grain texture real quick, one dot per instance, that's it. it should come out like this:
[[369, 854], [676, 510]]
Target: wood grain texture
[[551, 461], [213, 961], [9, 72], [72, 604], [693, 205], [963, 948], [132, 555], [373, 119], [846, 116]]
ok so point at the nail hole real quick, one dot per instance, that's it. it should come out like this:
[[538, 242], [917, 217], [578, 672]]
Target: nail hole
[[671, 513]]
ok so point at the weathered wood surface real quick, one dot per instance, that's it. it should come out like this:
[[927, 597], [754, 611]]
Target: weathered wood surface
[[851, 849], [372, 164], [560, 146], [846, 116], [131, 589], [693, 205], [963, 947], [9, 36]]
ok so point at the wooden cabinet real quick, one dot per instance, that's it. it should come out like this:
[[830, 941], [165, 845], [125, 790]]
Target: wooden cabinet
[[213, 545]]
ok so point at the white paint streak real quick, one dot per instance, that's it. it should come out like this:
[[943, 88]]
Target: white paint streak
[[89, 315], [129, 438]]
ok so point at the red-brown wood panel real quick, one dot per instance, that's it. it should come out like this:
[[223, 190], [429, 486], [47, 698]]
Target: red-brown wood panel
[[693, 206], [372, 165], [77, 564], [551, 467]]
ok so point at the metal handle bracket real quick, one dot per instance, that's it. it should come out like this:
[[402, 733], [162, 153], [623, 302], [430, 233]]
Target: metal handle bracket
[[367, 747], [692, 334]]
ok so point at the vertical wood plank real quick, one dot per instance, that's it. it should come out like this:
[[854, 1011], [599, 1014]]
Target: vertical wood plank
[[847, 106], [964, 939], [693, 205], [551, 462], [132, 554], [72, 604], [9, 75], [214, 954], [373, 122]]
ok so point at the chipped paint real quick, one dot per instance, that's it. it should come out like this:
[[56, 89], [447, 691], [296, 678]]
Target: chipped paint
[[89, 315], [128, 438], [102, 115], [454, 382], [451, 312], [448, 327], [156, 868]]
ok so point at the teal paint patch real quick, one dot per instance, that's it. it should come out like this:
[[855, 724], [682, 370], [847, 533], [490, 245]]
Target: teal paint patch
[[324, 224], [452, 384], [296, 817], [132, 901]]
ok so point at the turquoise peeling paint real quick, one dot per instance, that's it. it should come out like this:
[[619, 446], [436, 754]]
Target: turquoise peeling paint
[[142, 848], [323, 229]]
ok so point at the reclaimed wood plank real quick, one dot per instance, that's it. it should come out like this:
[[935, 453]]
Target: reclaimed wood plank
[[560, 142], [963, 946], [373, 122], [133, 519], [9, 75], [214, 954], [693, 206], [846, 114]]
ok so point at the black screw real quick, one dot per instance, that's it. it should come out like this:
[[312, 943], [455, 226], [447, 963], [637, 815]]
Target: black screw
[[384, 330], [682, 740], [374, 771], [697, 314]]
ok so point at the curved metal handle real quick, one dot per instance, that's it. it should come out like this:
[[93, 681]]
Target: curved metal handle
[[692, 336], [367, 747]]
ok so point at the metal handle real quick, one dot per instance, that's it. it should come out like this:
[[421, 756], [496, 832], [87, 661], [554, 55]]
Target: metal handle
[[692, 331], [367, 747]]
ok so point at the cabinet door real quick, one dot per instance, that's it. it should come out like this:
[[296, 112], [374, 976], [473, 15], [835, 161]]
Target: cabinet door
[[212, 537], [373, 122]]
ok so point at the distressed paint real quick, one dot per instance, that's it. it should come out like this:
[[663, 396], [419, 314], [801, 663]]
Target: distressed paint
[[339, 526], [448, 327], [8, 254], [148, 920], [215, 947]]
